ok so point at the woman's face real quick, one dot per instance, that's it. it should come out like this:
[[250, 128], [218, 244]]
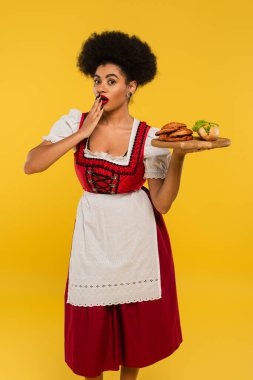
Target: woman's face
[[110, 81]]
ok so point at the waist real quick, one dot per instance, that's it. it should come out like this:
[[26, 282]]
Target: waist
[[115, 195]]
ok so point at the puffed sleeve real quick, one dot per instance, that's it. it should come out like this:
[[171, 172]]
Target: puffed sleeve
[[156, 160], [64, 127]]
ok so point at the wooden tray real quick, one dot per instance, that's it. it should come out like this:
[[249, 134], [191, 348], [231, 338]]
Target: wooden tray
[[195, 143]]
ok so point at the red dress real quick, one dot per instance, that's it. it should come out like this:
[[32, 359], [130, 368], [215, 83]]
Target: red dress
[[136, 334]]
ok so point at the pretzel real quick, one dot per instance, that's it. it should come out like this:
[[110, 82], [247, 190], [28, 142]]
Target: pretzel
[[181, 132], [174, 124], [168, 130], [168, 138]]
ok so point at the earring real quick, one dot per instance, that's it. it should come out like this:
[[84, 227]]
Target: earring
[[129, 94]]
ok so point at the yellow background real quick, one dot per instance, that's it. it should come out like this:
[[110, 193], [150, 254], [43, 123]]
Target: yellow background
[[205, 60]]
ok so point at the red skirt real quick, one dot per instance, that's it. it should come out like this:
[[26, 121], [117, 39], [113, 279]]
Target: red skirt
[[137, 334]]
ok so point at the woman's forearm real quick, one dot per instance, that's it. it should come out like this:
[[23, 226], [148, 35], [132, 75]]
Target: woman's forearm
[[43, 156], [169, 189]]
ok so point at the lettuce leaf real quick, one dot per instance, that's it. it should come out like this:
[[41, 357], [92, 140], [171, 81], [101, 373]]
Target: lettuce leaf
[[205, 124]]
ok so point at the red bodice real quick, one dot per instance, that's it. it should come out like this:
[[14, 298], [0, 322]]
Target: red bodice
[[98, 175]]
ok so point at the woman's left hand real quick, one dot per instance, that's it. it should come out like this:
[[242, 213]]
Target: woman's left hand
[[182, 152]]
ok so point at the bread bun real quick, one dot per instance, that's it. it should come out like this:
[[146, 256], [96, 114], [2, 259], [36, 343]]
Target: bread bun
[[212, 136]]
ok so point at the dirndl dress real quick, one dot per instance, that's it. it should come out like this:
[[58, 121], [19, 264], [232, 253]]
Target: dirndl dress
[[121, 305]]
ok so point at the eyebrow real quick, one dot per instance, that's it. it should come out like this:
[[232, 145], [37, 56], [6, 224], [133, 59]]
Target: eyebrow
[[108, 75]]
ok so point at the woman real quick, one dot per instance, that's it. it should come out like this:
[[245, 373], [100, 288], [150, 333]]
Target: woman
[[120, 300]]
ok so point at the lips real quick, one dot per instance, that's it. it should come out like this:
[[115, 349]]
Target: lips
[[104, 99]]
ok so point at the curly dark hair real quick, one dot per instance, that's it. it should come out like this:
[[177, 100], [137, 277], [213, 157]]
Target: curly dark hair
[[132, 55]]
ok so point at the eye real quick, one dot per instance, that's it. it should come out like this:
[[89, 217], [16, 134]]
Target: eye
[[110, 81]]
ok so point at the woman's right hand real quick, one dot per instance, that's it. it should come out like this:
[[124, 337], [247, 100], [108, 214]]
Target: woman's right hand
[[93, 117]]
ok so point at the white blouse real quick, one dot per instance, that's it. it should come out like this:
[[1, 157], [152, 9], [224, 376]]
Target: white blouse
[[114, 255], [156, 160]]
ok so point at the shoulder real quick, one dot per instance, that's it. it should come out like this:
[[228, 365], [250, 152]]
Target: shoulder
[[72, 117], [64, 126], [156, 160], [68, 122], [149, 149]]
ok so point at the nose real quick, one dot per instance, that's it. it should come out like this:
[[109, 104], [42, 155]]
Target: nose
[[100, 88], [100, 92]]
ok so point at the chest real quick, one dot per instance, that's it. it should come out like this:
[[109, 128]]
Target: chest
[[101, 172], [115, 143]]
